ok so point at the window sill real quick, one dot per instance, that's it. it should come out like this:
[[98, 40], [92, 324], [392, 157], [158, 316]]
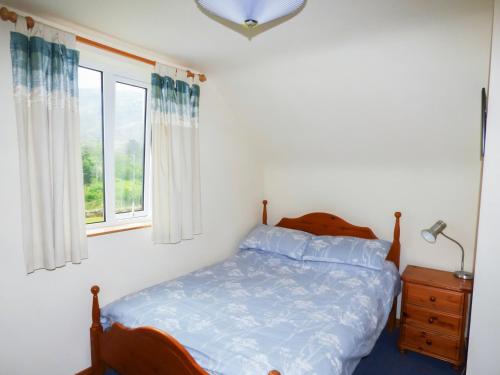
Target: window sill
[[117, 228]]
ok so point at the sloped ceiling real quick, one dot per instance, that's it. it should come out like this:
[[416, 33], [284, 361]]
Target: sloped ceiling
[[360, 81]]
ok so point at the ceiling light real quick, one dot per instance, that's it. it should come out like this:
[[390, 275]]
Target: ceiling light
[[251, 13]]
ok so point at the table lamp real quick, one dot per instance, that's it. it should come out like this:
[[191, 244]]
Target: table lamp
[[430, 235]]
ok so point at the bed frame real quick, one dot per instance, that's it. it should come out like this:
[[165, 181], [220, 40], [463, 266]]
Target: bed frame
[[149, 351]]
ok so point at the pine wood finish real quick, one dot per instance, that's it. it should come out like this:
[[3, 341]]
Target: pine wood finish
[[434, 298], [102, 231], [136, 351], [116, 51], [148, 351], [323, 224], [264, 212], [144, 350], [434, 313], [87, 371], [8, 15]]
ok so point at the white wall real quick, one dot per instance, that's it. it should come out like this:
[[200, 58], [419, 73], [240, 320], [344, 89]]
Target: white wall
[[45, 316], [380, 113], [368, 195], [485, 327]]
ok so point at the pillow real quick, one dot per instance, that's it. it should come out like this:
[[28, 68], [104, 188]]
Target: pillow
[[348, 250], [289, 242]]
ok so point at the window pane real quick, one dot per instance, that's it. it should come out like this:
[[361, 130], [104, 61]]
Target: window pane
[[90, 90], [130, 122]]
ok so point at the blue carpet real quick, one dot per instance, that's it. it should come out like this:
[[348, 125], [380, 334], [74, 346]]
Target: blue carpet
[[386, 359]]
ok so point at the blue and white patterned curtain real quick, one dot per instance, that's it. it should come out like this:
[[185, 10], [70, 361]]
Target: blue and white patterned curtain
[[175, 156], [45, 80]]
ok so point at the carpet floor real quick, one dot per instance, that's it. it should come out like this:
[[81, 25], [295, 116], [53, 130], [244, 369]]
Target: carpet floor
[[385, 359]]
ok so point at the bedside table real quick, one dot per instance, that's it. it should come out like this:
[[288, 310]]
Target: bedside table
[[433, 313]]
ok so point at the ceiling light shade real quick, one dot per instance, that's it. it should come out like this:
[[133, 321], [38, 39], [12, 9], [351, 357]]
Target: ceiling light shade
[[251, 13]]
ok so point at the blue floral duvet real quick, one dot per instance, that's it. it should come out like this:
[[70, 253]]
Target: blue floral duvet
[[259, 311]]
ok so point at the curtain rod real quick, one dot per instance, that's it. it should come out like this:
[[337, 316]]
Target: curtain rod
[[11, 16]]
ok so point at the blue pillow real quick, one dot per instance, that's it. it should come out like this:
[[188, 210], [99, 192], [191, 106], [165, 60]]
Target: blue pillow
[[348, 250], [289, 242]]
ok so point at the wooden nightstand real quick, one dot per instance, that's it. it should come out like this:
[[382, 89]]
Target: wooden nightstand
[[433, 313]]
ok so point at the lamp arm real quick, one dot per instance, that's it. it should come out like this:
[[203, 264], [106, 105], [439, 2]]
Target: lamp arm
[[461, 248]]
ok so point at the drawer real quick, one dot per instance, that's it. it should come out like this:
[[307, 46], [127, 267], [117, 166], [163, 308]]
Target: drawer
[[434, 298], [432, 320], [431, 343]]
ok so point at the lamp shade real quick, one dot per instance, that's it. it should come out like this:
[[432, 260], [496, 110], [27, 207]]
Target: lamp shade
[[431, 234], [251, 12]]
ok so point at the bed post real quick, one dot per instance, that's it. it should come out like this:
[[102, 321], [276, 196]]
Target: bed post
[[264, 212], [95, 334], [395, 255], [396, 243]]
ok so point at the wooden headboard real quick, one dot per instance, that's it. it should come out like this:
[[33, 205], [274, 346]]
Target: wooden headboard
[[323, 224]]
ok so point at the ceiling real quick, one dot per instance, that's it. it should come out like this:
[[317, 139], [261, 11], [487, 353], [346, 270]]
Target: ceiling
[[178, 28], [392, 79]]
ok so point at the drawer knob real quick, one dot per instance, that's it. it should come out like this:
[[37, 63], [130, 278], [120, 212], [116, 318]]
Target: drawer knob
[[433, 299], [428, 342], [432, 320]]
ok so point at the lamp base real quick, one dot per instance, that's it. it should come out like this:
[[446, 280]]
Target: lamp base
[[464, 275]]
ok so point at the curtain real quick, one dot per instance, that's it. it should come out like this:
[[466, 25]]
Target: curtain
[[45, 80], [175, 156]]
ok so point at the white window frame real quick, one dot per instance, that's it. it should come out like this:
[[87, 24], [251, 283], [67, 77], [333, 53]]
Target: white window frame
[[112, 73]]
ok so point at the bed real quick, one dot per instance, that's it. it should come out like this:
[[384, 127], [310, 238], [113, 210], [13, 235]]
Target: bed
[[252, 313]]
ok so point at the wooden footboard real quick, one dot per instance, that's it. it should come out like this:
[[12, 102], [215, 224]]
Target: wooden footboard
[[144, 350]]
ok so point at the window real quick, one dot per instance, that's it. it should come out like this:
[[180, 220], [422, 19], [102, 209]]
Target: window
[[115, 143], [91, 135], [130, 126]]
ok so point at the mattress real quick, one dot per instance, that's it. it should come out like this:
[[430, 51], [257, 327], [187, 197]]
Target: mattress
[[258, 311]]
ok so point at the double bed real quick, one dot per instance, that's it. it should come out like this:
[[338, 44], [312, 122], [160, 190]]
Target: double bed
[[254, 313]]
